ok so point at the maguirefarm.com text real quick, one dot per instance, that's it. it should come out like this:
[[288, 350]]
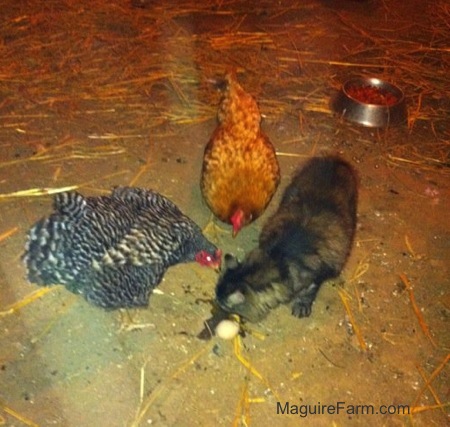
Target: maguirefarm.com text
[[339, 408]]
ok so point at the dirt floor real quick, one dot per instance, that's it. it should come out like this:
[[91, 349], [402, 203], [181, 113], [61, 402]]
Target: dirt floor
[[96, 94]]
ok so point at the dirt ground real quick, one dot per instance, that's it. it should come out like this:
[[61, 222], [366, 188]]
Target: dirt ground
[[96, 94]]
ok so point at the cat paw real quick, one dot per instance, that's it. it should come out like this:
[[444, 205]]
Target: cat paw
[[301, 308]]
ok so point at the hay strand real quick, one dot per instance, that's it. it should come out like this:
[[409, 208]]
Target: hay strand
[[38, 192], [356, 329], [410, 248], [432, 391], [163, 386], [242, 416], [33, 296], [431, 378], [237, 346], [6, 234], [417, 312], [17, 416]]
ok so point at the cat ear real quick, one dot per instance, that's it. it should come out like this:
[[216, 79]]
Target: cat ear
[[236, 298], [231, 262]]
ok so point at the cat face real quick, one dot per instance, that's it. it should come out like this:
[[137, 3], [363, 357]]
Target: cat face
[[246, 289], [230, 290]]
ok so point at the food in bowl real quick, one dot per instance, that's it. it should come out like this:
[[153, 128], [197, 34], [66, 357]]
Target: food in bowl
[[372, 95]]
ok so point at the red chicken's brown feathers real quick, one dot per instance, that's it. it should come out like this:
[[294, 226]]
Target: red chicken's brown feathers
[[240, 170]]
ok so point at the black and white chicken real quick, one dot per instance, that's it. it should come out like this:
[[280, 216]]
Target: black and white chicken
[[113, 250]]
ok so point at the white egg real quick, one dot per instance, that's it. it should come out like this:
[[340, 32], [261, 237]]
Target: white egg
[[227, 329]]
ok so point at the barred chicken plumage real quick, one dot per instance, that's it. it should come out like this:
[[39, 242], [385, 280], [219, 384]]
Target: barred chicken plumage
[[114, 250], [240, 169]]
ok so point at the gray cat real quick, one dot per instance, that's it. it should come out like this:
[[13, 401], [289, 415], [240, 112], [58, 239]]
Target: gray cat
[[306, 242]]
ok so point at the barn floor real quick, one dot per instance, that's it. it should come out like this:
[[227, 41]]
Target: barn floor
[[102, 93]]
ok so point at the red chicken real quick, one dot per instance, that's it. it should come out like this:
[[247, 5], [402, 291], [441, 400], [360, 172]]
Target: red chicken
[[240, 169]]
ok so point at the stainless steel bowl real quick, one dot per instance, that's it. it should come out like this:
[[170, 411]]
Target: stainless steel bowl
[[372, 115]]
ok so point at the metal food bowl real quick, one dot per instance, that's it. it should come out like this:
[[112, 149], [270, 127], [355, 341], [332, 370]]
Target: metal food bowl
[[371, 102]]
